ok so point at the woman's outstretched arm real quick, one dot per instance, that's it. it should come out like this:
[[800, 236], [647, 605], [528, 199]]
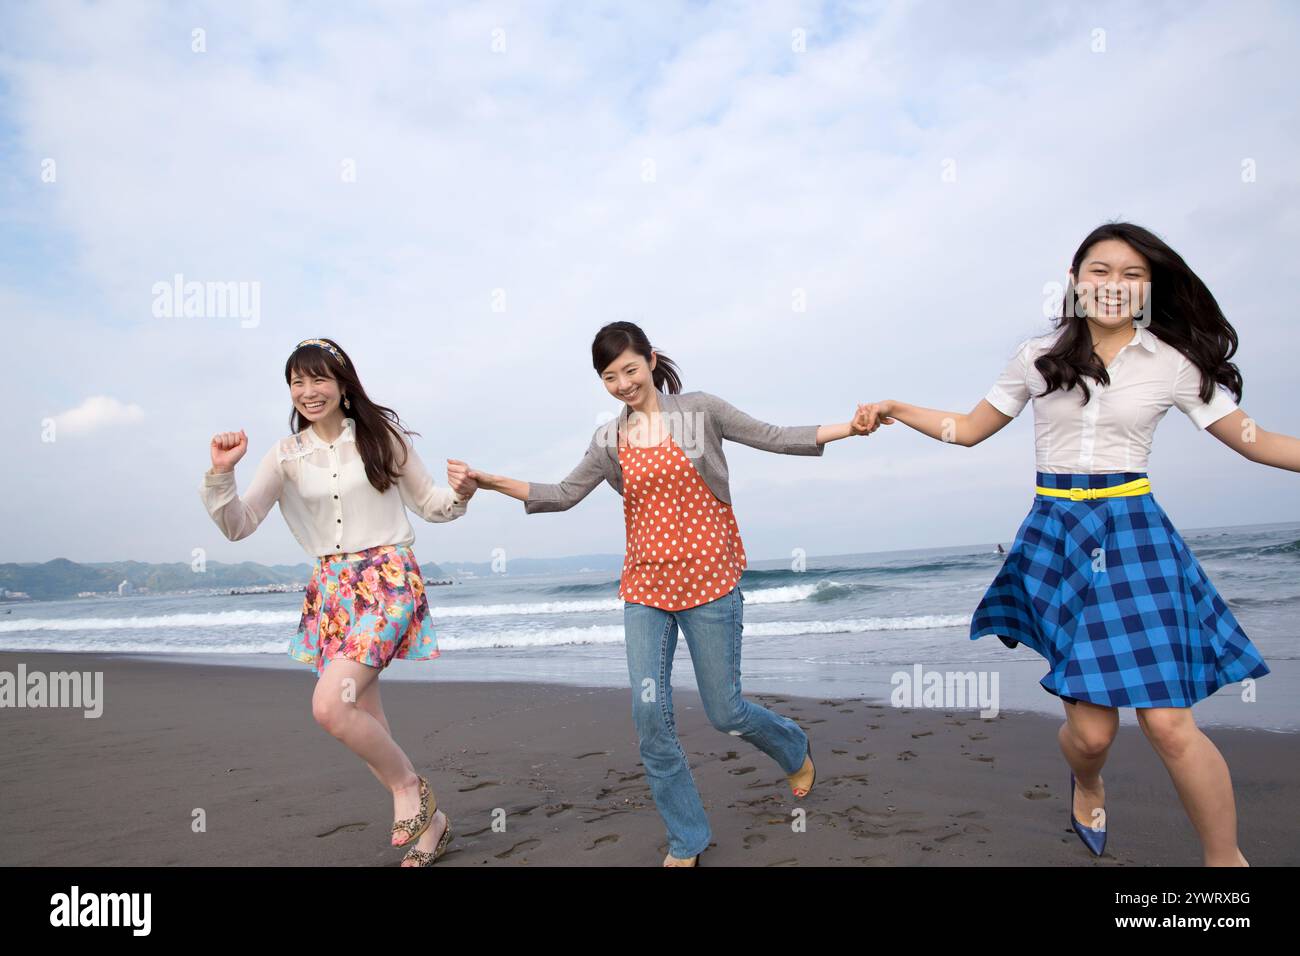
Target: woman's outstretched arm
[[1240, 433], [426, 498], [957, 429], [507, 486], [736, 425], [539, 497]]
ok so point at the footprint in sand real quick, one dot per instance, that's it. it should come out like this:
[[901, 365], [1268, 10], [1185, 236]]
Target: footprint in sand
[[605, 816], [730, 755], [754, 839], [345, 828], [740, 771], [1040, 791], [522, 845], [593, 753], [979, 737], [604, 840], [906, 755], [477, 786], [864, 756], [555, 808], [850, 777], [922, 733]]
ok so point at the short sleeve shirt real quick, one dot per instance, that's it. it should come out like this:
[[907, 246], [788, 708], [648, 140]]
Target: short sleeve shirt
[[1113, 431]]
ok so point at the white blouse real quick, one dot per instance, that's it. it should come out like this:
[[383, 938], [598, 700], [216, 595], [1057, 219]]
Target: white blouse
[[326, 499], [1113, 432]]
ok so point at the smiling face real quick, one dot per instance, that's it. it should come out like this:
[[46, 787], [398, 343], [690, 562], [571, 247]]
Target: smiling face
[[315, 396], [628, 377], [1114, 284]]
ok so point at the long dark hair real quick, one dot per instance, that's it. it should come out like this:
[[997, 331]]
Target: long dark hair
[[1183, 313], [617, 337], [375, 425]]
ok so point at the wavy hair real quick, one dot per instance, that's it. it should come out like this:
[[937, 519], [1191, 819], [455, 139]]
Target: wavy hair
[[375, 425], [1183, 312]]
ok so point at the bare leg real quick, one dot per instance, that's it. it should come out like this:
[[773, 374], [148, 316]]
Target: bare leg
[[369, 702], [337, 706], [1085, 740], [1200, 775], [406, 803]]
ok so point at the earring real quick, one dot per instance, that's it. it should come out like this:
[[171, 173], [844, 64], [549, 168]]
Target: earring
[[346, 403]]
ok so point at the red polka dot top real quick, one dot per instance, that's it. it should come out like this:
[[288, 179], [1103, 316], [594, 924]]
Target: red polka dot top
[[683, 545]]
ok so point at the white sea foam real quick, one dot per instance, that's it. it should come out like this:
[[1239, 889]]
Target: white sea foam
[[463, 639], [777, 595]]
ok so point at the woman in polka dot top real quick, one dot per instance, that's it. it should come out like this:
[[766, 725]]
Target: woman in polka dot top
[[683, 565]]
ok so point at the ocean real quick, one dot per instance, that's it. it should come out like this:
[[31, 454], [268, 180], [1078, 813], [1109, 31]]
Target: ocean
[[843, 626]]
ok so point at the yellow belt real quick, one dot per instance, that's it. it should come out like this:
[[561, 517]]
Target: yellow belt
[[1141, 486]]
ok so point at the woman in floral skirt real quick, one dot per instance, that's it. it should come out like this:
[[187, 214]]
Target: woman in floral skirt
[[344, 481]]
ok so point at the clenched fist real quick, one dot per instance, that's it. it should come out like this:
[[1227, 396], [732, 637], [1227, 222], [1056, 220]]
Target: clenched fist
[[227, 449], [459, 480]]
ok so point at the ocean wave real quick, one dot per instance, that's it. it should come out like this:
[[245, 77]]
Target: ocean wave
[[1240, 602], [818, 591], [475, 640], [1285, 550], [211, 619]]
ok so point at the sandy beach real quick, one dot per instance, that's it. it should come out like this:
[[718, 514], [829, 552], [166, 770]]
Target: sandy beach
[[559, 765]]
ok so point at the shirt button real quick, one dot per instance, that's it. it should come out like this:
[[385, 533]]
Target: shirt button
[[336, 497], [340, 521]]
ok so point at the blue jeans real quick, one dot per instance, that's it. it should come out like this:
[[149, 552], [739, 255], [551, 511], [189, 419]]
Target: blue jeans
[[713, 633]]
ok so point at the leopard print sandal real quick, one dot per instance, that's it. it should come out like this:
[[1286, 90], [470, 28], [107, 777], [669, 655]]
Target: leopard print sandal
[[425, 857], [415, 826]]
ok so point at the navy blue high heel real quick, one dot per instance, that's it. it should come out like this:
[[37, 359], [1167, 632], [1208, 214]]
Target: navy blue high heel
[[1094, 840]]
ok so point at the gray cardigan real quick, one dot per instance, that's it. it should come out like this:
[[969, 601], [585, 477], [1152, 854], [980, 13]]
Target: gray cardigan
[[698, 423]]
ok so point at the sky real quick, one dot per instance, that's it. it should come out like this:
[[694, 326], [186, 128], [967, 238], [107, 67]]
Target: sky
[[805, 206]]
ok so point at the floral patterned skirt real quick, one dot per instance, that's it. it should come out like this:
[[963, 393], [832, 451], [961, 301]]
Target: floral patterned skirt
[[368, 606]]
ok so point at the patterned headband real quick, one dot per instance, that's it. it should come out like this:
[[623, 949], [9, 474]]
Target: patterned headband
[[321, 343]]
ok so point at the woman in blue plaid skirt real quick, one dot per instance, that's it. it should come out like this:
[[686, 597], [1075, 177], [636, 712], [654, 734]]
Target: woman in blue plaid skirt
[[1098, 581]]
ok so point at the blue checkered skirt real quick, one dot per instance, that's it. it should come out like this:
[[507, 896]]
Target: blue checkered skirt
[[1110, 595]]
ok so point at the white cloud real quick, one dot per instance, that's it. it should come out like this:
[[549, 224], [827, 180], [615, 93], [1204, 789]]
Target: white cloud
[[95, 413], [522, 171]]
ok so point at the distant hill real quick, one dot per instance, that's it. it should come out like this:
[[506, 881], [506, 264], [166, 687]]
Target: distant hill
[[61, 579]]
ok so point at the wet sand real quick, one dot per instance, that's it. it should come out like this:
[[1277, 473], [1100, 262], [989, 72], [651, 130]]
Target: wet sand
[[559, 765]]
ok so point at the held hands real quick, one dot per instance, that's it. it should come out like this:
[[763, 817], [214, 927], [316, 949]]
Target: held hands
[[227, 448], [871, 416], [461, 479]]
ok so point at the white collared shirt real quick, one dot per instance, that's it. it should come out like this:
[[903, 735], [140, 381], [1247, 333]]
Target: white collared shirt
[[326, 498], [1113, 432]]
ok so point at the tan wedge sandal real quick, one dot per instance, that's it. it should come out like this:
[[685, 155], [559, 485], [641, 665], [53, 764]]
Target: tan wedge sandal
[[425, 857], [415, 826]]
